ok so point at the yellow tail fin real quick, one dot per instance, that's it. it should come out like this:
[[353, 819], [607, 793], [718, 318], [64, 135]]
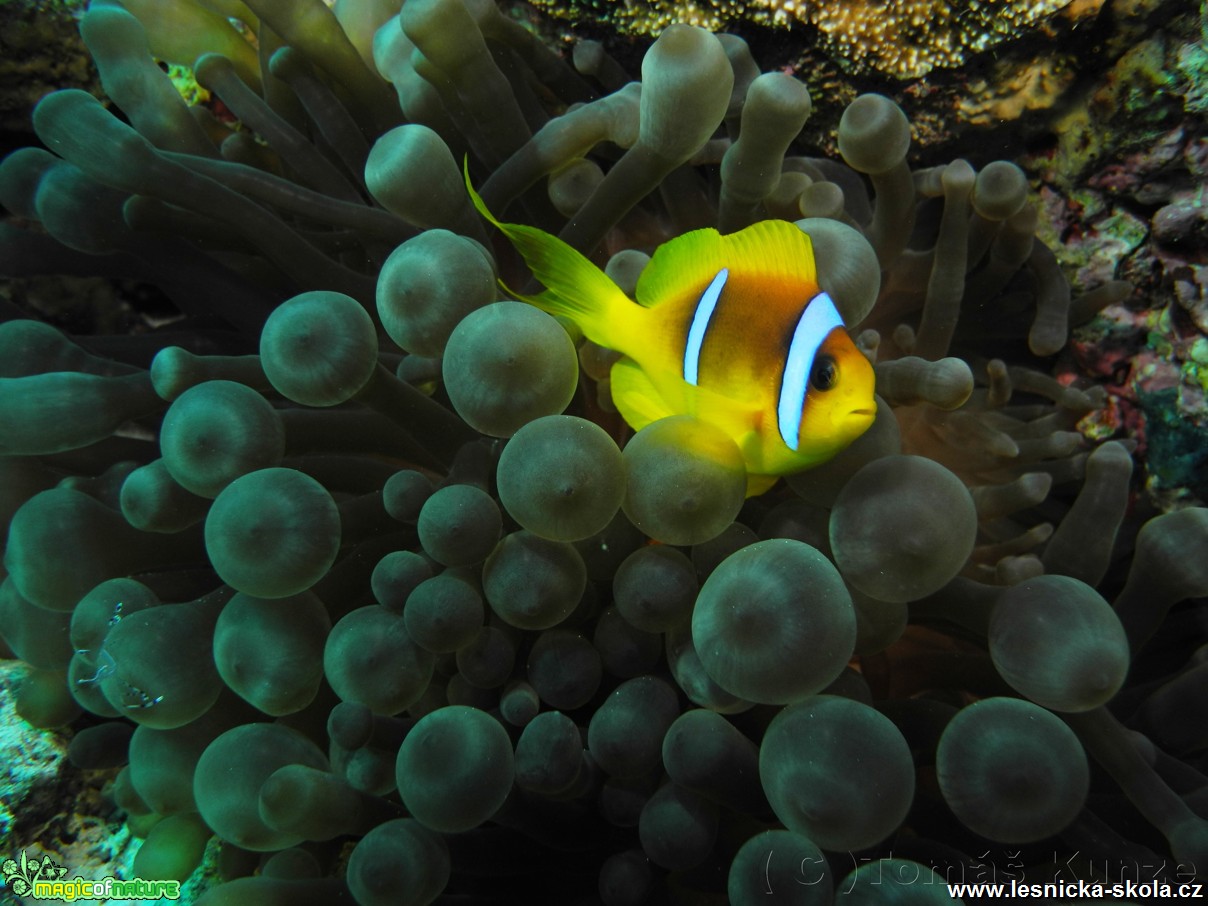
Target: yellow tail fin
[[575, 288]]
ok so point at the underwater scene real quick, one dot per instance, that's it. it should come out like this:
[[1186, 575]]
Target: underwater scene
[[603, 453]]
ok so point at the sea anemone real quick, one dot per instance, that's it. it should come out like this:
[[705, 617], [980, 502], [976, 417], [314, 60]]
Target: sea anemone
[[388, 593]]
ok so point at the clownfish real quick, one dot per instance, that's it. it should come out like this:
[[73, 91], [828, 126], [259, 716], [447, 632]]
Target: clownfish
[[733, 330]]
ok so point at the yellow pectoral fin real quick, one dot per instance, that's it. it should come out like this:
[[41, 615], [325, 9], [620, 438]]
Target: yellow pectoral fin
[[643, 396], [751, 426], [635, 396], [642, 400], [758, 484]]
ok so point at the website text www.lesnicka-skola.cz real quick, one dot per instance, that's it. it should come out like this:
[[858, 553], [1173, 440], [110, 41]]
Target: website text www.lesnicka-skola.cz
[[1079, 890]]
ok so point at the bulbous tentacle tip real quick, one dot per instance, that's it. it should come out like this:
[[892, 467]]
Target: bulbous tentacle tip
[[453, 574]]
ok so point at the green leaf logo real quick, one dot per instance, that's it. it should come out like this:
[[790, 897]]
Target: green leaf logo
[[20, 877]]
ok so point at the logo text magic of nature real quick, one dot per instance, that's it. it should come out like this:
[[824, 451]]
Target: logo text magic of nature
[[43, 879]]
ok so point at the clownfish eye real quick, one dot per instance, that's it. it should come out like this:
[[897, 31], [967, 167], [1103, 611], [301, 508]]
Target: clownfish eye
[[825, 373]]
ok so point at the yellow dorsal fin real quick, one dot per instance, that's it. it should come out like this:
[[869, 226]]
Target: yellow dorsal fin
[[575, 288], [771, 249]]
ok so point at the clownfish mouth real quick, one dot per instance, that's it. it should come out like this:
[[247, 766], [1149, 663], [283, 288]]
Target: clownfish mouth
[[863, 412]]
